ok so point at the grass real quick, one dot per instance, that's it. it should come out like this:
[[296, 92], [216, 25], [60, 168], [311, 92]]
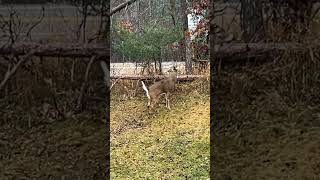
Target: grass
[[72, 148], [168, 145]]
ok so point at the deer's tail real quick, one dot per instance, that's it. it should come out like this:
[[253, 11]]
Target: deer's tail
[[146, 89]]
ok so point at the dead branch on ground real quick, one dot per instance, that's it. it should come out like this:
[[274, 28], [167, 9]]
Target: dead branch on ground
[[113, 84], [238, 51], [157, 77], [55, 50], [227, 52], [84, 85], [12, 71]]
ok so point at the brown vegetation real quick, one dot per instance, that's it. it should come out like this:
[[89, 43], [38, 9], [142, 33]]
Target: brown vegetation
[[42, 134], [268, 118]]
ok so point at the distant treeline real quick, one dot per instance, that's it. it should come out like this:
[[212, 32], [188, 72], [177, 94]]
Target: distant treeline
[[46, 1]]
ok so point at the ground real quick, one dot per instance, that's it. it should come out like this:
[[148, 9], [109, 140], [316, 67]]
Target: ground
[[263, 133], [71, 149], [270, 152], [170, 144]]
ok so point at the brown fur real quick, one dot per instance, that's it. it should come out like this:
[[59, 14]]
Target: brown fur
[[164, 86]]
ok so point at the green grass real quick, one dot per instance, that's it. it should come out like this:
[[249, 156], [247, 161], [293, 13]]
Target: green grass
[[169, 145]]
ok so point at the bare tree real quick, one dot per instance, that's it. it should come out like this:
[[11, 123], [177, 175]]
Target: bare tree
[[186, 41], [173, 11], [212, 66], [14, 30], [251, 20]]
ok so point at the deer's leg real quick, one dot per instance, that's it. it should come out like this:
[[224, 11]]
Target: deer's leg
[[149, 102], [153, 102], [150, 106], [167, 101]]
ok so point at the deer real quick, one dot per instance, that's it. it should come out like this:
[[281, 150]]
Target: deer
[[164, 86]]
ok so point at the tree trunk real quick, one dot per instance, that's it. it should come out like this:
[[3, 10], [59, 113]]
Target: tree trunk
[[84, 19], [155, 65], [107, 37], [160, 66], [173, 11], [138, 15], [186, 54], [213, 100], [251, 20], [211, 35]]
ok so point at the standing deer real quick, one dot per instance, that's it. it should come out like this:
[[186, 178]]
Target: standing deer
[[164, 86]]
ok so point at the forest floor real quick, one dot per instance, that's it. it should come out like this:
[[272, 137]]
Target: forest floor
[[260, 133], [169, 144], [51, 149], [277, 147]]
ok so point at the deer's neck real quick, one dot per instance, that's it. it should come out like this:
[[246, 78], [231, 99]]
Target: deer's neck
[[173, 76]]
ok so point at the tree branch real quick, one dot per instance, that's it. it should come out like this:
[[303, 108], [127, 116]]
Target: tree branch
[[84, 85], [12, 71], [121, 6]]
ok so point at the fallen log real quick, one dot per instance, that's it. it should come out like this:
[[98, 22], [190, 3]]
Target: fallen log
[[228, 52], [235, 51], [56, 50], [157, 77]]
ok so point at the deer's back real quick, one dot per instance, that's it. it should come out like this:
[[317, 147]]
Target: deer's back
[[163, 86]]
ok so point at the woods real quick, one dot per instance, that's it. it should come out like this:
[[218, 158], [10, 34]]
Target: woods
[[70, 88], [274, 85]]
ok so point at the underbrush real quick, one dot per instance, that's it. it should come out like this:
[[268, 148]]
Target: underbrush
[[42, 137], [268, 119]]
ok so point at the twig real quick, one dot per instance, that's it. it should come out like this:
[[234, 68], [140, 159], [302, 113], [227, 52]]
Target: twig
[[12, 71], [114, 84], [121, 6], [72, 70], [35, 24], [56, 105], [315, 13], [84, 84]]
